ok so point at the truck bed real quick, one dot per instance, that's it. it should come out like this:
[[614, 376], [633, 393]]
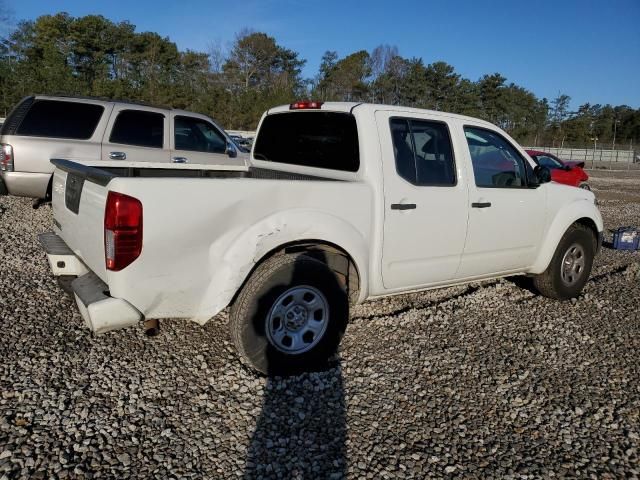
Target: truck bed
[[200, 225], [102, 172]]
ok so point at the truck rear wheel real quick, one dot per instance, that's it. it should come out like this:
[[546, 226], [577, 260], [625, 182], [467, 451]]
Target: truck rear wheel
[[289, 316], [569, 270]]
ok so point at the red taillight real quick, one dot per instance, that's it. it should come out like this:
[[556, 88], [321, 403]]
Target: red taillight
[[122, 230], [305, 105], [6, 157]]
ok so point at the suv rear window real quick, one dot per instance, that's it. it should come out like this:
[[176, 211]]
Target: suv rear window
[[140, 128], [51, 118], [311, 139]]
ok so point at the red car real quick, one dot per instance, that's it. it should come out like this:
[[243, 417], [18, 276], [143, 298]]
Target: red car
[[569, 173]]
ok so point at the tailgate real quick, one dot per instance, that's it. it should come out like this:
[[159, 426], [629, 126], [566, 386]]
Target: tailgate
[[79, 195]]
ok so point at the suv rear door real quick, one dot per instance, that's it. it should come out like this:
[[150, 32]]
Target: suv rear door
[[137, 134]]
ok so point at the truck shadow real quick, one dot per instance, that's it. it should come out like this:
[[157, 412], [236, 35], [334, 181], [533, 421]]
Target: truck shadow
[[301, 430]]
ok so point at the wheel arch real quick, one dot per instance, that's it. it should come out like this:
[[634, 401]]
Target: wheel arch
[[580, 213], [332, 255], [328, 238], [593, 228]]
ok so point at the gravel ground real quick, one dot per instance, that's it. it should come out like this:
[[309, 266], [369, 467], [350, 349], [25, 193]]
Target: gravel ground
[[487, 380]]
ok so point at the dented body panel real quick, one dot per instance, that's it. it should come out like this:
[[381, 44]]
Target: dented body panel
[[207, 246]]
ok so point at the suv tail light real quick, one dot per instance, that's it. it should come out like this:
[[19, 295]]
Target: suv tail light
[[6, 157], [122, 230], [309, 105]]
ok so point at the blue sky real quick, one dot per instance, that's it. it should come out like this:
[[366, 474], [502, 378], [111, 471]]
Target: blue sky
[[587, 49]]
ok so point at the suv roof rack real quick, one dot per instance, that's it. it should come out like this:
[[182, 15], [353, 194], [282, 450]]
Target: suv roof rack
[[105, 99]]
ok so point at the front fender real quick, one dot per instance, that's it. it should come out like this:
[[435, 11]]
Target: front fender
[[231, 260], [564, 218]]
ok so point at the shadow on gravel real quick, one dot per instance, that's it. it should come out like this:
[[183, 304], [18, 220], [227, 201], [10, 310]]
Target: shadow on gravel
[[301, 431], [525, 283]]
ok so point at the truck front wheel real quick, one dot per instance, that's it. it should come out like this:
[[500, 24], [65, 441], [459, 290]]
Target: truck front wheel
[[289, 316], [569, 270]]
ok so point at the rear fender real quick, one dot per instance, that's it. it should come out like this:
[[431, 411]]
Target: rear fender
[[250, 247], [564, 218]]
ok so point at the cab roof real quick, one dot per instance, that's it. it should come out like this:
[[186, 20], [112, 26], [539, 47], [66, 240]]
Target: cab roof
[[350, 107]]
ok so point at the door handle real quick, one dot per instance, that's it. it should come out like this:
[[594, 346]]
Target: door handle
[[403, 206], [481, 204], [117, 155], [180, 160]]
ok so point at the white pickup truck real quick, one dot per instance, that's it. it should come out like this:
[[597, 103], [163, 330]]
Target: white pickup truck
[[340, 203]]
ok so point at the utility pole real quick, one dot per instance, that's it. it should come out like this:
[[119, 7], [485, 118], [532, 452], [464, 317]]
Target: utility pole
[[615, 129], [595, 147]]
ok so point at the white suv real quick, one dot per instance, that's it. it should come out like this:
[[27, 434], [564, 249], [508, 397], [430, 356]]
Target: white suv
[[41, 128]]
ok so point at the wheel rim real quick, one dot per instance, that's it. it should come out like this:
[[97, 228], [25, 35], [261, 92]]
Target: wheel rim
[[297, 320], [573, 264]]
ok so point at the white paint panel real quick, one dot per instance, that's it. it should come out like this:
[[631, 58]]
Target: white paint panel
[[424, 245]]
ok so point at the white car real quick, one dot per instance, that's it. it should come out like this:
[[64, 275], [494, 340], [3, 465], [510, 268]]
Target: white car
[[44, 127], [341, 202]]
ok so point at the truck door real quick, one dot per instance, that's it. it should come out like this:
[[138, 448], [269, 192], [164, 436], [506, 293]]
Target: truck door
[[425, 201], [507, 214], [137, 134]]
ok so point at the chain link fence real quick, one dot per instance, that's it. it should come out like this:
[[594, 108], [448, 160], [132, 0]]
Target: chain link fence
[[596, 157]]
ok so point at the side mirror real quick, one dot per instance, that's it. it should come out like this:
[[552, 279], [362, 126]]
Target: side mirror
[[231, 149], [542, 174]]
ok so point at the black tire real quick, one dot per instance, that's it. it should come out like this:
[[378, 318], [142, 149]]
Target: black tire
[[552, 282], [251, 313], [585, 186]]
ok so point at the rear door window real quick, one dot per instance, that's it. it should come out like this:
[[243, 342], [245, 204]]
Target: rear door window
[[139, 128], [423, 152], [311, 139], [56, 119]]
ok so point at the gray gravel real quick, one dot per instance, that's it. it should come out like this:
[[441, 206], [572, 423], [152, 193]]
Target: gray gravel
[[480, 381]]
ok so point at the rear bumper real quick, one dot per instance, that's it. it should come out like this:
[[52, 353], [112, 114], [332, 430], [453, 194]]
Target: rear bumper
[[25, 184], [101, 312]]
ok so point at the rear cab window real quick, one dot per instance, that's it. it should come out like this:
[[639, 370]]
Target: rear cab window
[[60, 119], [548, 162], [316, 139]]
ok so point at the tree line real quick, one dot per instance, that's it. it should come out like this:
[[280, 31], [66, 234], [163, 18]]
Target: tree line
[[94, 56]]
